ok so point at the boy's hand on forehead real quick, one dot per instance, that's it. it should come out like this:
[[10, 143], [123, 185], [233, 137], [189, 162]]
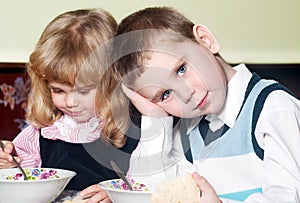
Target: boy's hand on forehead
[[143, 105]]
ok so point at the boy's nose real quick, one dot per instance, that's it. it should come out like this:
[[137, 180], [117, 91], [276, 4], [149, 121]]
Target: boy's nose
[[186, 92]]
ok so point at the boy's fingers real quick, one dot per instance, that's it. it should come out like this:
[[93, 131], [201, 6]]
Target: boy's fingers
[[138, 101], [128, 92], [199, 180], [135, 98], [202, 183], [143, 105], [207, 191]]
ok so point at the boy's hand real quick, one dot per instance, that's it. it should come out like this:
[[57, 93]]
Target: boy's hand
[[6, 160], [95, 194], [208, 193], [143, 105]]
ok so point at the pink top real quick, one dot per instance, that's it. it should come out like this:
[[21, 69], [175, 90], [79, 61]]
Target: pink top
[[27, 142]]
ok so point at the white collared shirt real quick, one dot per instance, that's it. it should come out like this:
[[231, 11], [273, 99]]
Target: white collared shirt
[[236, 89], [277, 132]]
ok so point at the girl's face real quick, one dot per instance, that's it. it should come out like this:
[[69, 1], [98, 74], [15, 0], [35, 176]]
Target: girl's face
[[76, 102], [188, 83]]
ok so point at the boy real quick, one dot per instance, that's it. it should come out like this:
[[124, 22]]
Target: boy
[[238, 129]]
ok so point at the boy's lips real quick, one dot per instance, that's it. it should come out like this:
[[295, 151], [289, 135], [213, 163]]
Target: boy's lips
[[203, 102]]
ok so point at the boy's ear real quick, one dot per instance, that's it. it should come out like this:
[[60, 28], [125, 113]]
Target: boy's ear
[[204, 36]]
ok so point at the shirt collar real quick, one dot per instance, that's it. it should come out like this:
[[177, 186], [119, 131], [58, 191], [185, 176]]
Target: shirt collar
[[67, 129], [235, 95], [236, 89]]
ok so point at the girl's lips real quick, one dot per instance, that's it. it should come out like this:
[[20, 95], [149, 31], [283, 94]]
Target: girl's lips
[[203, 102], [74, 114]]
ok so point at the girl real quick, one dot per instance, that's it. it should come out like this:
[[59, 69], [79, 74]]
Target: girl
[[71, 124]]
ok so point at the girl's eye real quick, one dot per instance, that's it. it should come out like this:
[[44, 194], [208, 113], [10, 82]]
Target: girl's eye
[[56, 90], [182, 70], [166, 94], [84, 91]]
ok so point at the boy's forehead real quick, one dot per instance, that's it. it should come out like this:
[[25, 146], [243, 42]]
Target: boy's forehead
[[153, 76], [186, 50], [161, 59], [159, 67], [167, 47]]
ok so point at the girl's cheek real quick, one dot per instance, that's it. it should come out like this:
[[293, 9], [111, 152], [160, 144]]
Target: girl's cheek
[[57, 101]]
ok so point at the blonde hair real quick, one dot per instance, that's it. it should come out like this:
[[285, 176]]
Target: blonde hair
[[67, 53]]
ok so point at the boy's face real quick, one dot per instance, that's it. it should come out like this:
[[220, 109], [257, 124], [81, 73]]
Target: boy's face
[[185, 79], [76, 102]]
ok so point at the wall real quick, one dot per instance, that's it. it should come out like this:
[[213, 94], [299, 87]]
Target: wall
[[256, 31], [262, 33]]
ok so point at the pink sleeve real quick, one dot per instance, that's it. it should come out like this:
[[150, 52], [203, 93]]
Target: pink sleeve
[[28, 147]]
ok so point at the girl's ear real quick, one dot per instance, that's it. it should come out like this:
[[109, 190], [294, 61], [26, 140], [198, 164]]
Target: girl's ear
[[204, 36]]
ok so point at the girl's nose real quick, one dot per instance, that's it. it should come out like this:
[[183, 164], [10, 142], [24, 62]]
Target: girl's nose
[[71, 100]]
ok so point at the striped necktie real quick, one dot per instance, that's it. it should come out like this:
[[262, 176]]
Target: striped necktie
[[207, 134]]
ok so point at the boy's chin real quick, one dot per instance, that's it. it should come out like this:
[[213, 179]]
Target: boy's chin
[[187, 116]]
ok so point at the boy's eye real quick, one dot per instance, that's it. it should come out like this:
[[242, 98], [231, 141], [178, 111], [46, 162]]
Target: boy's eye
[[166, 94], [182, 70]]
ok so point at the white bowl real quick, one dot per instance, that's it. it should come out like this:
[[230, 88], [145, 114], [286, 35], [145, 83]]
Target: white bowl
[[125, 196], [32, 191]]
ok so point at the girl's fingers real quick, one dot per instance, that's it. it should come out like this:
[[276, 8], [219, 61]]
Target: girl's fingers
[[95, 194], [91, 190], [8, 147], [6, 160], [99, 197], [5, 164]]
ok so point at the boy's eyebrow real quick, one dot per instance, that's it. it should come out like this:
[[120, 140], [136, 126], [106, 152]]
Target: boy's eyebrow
[[157, 97], [178, 63]]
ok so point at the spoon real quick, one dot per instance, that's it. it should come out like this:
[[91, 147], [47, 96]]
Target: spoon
[[121, 174], [15, 161]]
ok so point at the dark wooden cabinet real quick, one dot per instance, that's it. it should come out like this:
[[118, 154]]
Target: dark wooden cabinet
[[14, 89], [287, 74]]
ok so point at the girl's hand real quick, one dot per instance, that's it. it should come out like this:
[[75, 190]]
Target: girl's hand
[[95, 194], [6, 160], [208, 193], [143, 105]]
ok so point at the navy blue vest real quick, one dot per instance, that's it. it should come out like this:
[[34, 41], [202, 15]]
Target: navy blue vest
[[91, 161], [257, 110]]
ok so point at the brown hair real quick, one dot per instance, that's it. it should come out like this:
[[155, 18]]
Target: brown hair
[[67, 53], [138, 30]]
